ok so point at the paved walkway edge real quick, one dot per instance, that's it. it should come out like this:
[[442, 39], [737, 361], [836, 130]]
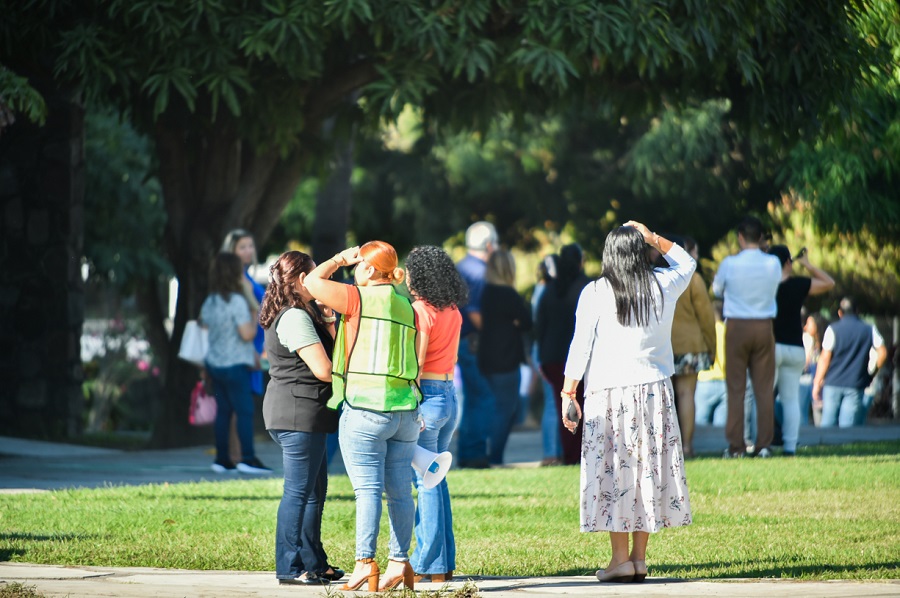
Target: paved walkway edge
[[144, 582]]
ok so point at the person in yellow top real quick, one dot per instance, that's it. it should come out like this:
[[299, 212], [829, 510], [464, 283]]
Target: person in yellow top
[[694, 346], [711, 395]]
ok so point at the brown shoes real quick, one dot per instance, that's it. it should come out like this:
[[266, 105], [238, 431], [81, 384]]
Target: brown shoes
[[366, 570], [406, 577], [434, 577]]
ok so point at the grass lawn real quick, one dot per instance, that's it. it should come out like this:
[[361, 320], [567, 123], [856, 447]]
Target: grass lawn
[[829, 513]]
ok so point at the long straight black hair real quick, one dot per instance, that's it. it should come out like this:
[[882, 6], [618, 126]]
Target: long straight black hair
[[630, 274]]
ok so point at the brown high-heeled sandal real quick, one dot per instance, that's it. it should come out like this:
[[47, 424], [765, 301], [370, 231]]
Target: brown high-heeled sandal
[[371, 575], [407, 577]]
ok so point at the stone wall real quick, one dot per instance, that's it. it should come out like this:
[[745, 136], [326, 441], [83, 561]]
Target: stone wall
[[41, 290]]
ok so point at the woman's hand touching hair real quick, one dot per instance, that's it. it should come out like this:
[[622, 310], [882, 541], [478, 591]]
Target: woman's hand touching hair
[[661, 244], [348, 257], [649, 237]]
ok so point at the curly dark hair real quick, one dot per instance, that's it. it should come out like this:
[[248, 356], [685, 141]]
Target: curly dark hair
[[432, 277], [281, 293]]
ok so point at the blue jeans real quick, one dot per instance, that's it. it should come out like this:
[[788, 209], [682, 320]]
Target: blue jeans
[[505, 388], [840, 405], [478, 405], [550, 423], [549, 418], [298, 540], [805, 403], [332, 444], [435, 545], [711, 398], [378, 450], [231, 387]]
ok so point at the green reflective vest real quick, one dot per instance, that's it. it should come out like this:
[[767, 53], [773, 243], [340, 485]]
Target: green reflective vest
[[381, 370]]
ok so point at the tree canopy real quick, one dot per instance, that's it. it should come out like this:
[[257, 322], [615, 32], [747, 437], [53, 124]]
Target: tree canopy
[[241, 98]]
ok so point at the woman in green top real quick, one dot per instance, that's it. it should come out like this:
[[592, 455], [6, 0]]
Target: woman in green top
[[375, 371]]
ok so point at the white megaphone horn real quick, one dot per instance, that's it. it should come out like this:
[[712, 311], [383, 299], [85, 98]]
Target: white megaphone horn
[[433, 467]]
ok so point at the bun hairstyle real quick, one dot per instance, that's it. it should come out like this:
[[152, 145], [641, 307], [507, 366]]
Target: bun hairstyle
[[281, 292], [383, 257]]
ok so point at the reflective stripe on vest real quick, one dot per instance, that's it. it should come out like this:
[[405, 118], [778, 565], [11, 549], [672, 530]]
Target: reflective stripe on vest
[[381, 370]]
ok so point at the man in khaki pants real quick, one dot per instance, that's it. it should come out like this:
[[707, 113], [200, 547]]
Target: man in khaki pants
[[748, 283]]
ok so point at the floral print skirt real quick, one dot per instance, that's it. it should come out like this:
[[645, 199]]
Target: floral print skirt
[[632, 465]]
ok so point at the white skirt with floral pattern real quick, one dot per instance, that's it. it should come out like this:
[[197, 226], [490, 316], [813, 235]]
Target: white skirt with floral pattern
[[632, 465]]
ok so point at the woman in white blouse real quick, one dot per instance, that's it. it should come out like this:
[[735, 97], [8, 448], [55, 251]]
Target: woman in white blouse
[[632, 464]]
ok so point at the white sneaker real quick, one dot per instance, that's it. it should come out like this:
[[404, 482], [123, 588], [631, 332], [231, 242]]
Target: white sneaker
[[764, 453], [253, 466], [223, 467]]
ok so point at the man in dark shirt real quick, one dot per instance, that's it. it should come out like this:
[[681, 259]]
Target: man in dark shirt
[[475, 427], [842, 373]]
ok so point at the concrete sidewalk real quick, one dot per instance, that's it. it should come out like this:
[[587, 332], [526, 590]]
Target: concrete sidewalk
[[31, 466], [133, 582]]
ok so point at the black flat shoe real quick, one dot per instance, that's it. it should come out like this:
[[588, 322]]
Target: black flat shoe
[[335, 574], [310, 579]]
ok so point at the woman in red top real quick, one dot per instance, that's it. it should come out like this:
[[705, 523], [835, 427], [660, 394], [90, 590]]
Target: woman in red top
[[438, 290]]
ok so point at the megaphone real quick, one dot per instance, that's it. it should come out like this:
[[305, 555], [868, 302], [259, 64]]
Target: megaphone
[[433, 467]]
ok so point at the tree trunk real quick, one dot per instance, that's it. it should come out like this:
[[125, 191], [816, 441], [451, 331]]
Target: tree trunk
[[203, 178], [333, 205]]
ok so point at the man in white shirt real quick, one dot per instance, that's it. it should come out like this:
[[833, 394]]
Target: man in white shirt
[[748, 283]]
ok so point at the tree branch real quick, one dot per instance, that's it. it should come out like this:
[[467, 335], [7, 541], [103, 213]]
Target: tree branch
[[281, 188], [254, 181], [324, 99]]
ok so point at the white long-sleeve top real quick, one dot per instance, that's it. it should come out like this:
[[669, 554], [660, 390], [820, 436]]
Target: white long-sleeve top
[[607, 354]]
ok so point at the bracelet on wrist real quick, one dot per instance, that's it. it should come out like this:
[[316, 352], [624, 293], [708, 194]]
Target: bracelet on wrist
[[329, 319], [569, 394], [339, 264]]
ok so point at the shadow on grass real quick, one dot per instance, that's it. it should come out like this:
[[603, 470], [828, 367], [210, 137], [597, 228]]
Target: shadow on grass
[[44, 537], [6, 554]]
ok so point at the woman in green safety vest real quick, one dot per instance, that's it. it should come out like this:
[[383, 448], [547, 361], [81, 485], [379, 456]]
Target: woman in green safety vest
[[374, 371]]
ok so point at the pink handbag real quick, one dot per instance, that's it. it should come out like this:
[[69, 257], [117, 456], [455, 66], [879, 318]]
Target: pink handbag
[[203, 406]]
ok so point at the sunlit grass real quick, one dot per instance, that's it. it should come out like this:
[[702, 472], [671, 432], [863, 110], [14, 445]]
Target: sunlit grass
[[828, 513]]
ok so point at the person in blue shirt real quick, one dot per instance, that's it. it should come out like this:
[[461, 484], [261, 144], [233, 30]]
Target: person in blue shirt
[[477, 412], [748, 283], [240, 242]]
